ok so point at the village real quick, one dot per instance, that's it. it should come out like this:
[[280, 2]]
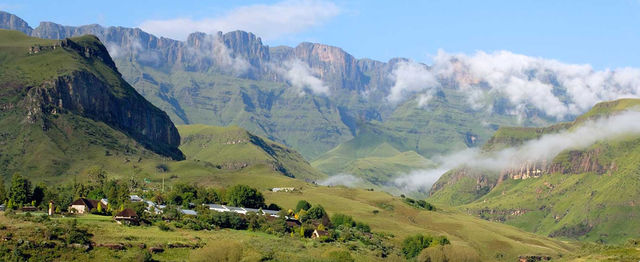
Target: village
[[179, 207]]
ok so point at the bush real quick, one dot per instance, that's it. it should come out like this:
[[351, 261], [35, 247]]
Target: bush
[[413, 245], [420, 204], [302, 205], [77, 235], [342, 220], [225, 220], [163, 226], [363, 227]]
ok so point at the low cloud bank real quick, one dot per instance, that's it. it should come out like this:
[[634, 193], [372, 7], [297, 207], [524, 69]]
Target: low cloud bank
[[544, 148], [342, 180], [299, 75], [558, 89]]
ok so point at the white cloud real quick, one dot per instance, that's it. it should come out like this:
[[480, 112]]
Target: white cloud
[[557, 89], [212, 47], [268, 21], [542, 149], [411, 78], [342, 180], [300, 77]]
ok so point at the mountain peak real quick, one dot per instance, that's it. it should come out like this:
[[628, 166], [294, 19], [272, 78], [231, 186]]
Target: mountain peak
[[13, 22]]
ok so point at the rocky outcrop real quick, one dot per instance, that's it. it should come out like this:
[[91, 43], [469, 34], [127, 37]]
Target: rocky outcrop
[[115, 103], [333, 65], [571, 162], [12, 22]]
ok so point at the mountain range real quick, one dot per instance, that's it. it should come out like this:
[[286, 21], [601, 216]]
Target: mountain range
[[311, 97]]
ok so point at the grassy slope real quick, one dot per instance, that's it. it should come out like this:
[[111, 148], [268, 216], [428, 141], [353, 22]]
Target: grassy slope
[[555, 203], [309, 124], [70, 143], [371, 155], [383, 151], [229, 146], [394, 217]]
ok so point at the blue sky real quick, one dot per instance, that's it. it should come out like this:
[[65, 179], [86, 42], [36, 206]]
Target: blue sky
[[605, 34]]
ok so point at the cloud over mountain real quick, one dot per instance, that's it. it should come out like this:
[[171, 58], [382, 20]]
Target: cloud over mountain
[[558, 89], [545, 148], [270, 21]]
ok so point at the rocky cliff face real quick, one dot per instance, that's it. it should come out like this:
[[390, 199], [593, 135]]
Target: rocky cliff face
[[12, 22], [332, 65], [95, 90], [572, 162]]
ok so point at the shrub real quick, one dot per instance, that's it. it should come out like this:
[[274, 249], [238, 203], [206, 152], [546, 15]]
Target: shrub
[[163, 226], [413, 245], [302, 205], [342, 220], [77, 235]]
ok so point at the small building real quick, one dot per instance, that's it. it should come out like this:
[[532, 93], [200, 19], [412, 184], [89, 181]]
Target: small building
[[217, 208], [84, 205], [3, 207], [188, 212], [29, 209], [293, 223], [135, 198], [242, 210], [319, 233], [283, 189], [127, 216]]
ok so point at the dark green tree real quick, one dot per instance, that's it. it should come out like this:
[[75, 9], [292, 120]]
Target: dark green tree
[[302, 205], [245, 196], [38, 193], [20, 191], [3, 191], [316, 212]]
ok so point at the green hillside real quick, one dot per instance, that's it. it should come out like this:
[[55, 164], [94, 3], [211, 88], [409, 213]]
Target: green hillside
[[234, 148], [382, 151], [589, 194], [63, 105]]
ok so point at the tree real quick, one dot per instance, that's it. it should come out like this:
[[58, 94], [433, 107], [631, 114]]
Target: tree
[[3, 191], [20, 191], [316, 212], [245, 196], [273, 206], [38, 193], [302, 205]]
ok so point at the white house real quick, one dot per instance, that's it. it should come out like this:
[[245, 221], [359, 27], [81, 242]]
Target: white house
[[283, 189]]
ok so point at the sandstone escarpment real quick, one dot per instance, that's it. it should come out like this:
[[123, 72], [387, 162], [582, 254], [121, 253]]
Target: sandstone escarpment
[[571, 162], [84, 94], [96, 91]]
